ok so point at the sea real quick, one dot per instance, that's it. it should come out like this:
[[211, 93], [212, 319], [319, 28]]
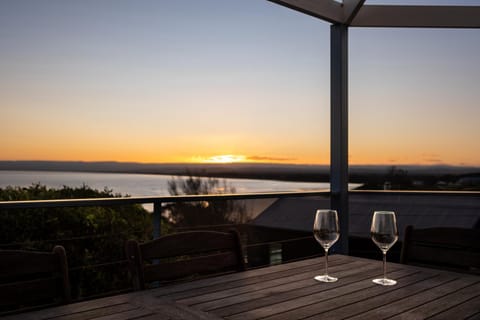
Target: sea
[[141, 184]]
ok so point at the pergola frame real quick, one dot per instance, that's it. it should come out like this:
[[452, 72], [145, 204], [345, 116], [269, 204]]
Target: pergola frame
[[354, 13]]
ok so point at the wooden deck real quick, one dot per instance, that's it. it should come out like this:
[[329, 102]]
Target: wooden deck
[[288, 291]]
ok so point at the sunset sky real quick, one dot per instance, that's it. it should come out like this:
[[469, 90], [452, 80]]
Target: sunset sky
[[190, 80]]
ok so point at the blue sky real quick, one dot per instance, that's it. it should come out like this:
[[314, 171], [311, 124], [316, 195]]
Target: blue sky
[[178, 80]]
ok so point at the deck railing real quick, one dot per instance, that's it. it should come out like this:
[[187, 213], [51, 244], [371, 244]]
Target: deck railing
[[156, 201], [159, 203]]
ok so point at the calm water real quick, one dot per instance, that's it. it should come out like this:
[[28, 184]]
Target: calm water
[[139, 184]]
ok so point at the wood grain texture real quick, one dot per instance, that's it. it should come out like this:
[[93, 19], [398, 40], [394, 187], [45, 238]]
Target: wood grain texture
[[184, 254], [29, 279], [448, 248], [289, 291], [403, 16]]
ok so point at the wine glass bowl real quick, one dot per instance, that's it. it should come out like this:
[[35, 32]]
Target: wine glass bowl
[[384, 234], [326, 232]]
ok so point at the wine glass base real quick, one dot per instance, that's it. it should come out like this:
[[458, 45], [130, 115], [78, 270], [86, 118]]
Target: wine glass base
[[325, 278], [384, 282]]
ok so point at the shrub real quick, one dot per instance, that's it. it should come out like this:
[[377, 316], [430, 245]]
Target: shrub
[[92, 236], [204, 213]]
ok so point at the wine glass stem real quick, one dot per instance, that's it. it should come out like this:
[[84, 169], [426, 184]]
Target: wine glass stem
[[384, 264], [326, 262]]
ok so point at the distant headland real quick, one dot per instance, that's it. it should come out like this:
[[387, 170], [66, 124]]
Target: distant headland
[[286, 172]]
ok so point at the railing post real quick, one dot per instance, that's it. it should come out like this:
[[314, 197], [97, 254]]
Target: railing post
[[157, 219]]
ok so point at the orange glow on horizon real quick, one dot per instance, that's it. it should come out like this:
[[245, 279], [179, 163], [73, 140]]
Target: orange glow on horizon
[[224, 158], [361, 154]]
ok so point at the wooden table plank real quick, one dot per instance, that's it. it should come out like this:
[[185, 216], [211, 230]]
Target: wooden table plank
[[442, 304], [276, 270], [307, 284], [127, 315], [467, 309], [405, 304], [250, 277], [292, 278], [325, 291], [99, 312], [241, 302], [333, 299], [289, 292], [199, 287], [385, 296], [73, 308], [475, 317], [132, 306], [167, 309]]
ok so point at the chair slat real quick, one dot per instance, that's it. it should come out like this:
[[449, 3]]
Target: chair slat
[[25, 262], [444, 256], [215, 263], [188, 243], [30, 278], [449, 237], [27, 292], [445, 248], [183, 255]]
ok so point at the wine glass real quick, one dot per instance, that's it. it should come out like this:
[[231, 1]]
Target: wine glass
[[384, 234], [326, 232]]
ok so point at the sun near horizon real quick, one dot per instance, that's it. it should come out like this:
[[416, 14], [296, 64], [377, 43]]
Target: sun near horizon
[[223, 158]]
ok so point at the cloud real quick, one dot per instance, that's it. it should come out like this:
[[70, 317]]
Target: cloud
[[432, 158], [267, 158]]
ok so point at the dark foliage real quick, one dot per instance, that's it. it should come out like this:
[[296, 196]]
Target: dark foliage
[[92, 236], [204, 213]]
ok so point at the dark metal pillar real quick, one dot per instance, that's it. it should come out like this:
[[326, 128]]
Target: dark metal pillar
[[339, 129]]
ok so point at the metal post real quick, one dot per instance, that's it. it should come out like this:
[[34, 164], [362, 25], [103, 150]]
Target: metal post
[[339, 129], [157, 219]]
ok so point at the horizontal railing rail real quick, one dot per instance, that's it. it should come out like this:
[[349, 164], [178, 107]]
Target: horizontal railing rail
[[159, 201], [418, 192], [156, 201], [88, 202]]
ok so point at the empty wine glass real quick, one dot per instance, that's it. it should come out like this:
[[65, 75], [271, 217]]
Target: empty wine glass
[[326, 232], [384, 234]]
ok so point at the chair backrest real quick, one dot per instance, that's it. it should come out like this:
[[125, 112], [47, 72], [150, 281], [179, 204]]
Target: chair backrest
[[183, 255], [30, 278], [455, 249]]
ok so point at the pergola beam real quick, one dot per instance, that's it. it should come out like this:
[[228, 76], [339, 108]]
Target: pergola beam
[[328, 10], [417, 16], [350, 10]]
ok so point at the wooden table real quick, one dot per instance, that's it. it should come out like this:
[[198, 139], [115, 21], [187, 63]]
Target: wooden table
[[288, 291]]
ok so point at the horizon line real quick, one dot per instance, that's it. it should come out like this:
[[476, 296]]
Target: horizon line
[[240, 163]]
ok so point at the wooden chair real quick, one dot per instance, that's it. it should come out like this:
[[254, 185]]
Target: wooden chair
[[183, 255], [29, 278], [455, 249]]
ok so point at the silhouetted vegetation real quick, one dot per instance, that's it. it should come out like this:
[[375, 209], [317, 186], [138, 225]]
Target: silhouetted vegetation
[[92, 236], [396, 178], [204, 213]]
